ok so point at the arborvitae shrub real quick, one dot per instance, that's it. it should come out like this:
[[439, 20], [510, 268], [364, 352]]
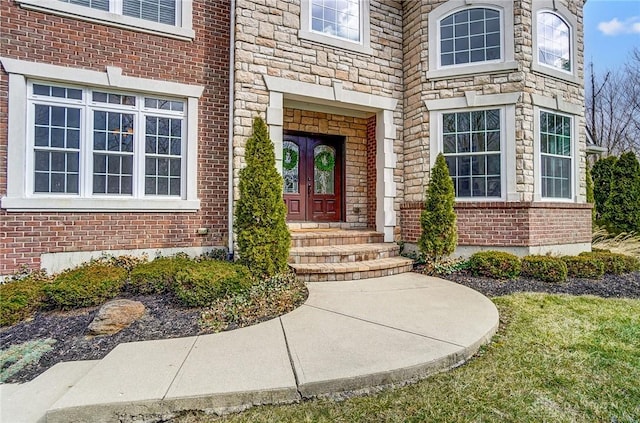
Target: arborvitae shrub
[[615, 264], [622, 208], [156, 276], [85, 286], [19, 299], [602, 175], [544, 268], [201, 283], [260, 214], [590, 195], [584, 267], [438, 219], [495, 264]]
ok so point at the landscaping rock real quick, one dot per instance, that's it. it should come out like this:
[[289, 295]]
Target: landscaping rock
[[115, 316]]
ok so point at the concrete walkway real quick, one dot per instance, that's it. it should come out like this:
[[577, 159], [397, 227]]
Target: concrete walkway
[[347, 336]]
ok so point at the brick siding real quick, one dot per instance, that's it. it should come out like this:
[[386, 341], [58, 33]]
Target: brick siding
[[371, 172]]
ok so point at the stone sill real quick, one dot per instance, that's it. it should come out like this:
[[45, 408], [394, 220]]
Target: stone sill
[[412, 205]]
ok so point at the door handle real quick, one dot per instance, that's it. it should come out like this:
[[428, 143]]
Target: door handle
[[309, 189]]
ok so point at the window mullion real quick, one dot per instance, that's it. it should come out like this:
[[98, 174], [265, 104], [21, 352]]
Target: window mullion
[[139, 151], [86, 164], [115, 6]]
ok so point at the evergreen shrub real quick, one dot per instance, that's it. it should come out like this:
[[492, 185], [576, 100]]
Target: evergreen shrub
[[614, 263], [602, 174], [204, 282], [85, 286], [438, 219], [584, 267], [622, 207], [260, 214], [544, 268], [157, 276], [495, 264], [19, 299]]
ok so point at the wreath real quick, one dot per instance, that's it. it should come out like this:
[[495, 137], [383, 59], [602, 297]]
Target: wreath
[[325, 161], [290, 159]]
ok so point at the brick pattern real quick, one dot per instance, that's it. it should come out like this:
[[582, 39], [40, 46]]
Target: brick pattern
[[45, 38], [355, 132], [371, 172], [510, 224]]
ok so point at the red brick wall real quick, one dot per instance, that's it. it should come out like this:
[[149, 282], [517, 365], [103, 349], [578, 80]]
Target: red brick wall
[[510, 224], [371, 172], [36, 36]]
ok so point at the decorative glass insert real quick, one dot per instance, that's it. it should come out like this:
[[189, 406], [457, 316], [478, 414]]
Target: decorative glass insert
[[113, 153], [126, 100], [161, 11], [56, 149], [553, 41], [291, 167], [94, 4], [163, 148], [324, 166], [555, 151], [338, 18], [468, 36], [471, 146]]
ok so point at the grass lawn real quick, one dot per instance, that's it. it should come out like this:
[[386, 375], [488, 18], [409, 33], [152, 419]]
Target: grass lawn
[[556, 358]]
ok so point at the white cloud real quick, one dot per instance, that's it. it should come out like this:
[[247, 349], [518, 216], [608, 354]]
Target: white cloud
[[617, 27]]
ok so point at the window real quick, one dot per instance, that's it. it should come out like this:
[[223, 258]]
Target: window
[[89, 142], [171, 18], [553, 41], [468, 36], [471, 144], [339, 23], [555, 155]]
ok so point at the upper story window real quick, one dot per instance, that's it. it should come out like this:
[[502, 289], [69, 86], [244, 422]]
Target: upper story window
[[339, 23], [471, 35], [554, 41], [172, 18], [338, 18]]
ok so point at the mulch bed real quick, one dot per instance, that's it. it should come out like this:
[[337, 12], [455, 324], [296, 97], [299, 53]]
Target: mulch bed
[[165, 320]]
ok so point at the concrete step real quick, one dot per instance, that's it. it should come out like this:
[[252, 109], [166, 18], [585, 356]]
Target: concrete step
[[324, 272], [29, 402], [319, 238], [343, 253]]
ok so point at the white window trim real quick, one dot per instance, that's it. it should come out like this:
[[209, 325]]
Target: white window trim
[[18, 197], [364, 46], [472, 101], [537, 157], [558, 9], [505, 64], [183, 30]]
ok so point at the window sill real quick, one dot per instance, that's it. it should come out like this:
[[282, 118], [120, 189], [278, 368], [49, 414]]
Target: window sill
[[112, 204], [470, 70], [335, 42], [557, 74], [107, 18]]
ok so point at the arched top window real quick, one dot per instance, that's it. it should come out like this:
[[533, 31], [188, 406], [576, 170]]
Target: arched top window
[[554, 41], [470, 36]]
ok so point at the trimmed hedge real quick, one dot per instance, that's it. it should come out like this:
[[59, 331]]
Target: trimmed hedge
[[544, 268], [614, 263], [204, 282], [584, 267], [495, 264], [85, 286], [157, 276], [20, 299]]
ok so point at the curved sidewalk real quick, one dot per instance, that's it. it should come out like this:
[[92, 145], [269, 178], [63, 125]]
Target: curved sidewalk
[[347, 336]]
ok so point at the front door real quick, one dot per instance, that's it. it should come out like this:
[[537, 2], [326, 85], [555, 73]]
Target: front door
[[312, 170]]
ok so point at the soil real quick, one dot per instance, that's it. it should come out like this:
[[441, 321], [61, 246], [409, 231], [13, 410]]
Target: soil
[[165, 320]]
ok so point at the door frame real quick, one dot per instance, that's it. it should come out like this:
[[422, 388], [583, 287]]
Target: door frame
[[340, 142]]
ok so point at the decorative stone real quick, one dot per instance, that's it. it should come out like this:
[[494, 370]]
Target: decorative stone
[[115, 316]]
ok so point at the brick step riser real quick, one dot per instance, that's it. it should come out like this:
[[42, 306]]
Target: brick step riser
[[343, 258], [341, 240], [348, 276]]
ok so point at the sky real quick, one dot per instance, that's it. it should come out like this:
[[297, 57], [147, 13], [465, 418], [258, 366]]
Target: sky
[[611, 30]]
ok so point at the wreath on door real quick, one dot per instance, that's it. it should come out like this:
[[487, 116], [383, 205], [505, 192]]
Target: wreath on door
[[290, 158], [325, 161]]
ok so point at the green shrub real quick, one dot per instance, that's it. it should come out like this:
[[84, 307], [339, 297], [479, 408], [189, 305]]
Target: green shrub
[[85, 286], [19, 299], [544, 268], [156, 276], [495, 264], [602, 176], [590, 194], [260, 214], [616, 264], [438, 219], [584, 267], [204, 282], [622, 208]]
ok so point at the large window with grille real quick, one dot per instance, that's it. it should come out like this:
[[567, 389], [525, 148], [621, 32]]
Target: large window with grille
[[159, 11], [337, 18], [556, 165], [472, 146], [470, 36], [554, 41], [95, 143]]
